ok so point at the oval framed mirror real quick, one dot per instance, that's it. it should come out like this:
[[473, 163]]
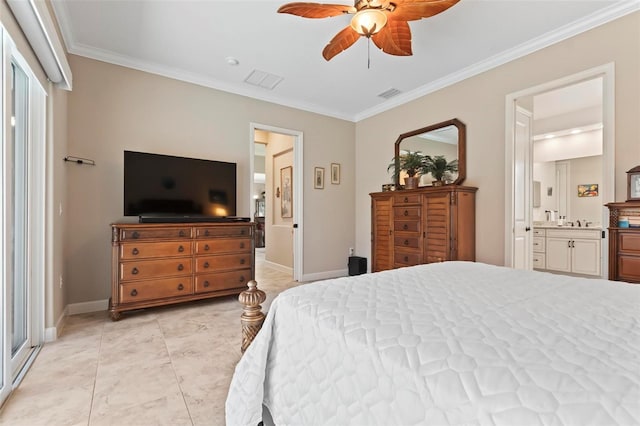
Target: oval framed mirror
[[447, 139]]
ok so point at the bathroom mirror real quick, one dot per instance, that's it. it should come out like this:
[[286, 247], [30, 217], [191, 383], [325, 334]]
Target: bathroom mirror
[[447, 138]]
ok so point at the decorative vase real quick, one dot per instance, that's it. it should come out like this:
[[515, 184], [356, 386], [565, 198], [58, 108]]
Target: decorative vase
[[411, 182], [438, 182]]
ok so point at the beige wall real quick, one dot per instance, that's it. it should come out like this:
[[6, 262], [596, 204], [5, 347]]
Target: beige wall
[[55, 298], [113, 108], [480, 103]]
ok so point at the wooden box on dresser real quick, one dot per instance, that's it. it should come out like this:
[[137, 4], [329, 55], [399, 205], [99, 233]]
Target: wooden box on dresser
[[424, 225], [158, 264], [624, 243]]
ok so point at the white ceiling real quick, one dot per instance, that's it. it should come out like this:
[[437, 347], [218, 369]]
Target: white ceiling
[[190, 41]]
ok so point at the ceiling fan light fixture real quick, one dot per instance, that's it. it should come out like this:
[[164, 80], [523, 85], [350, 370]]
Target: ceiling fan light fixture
[[368, 21]]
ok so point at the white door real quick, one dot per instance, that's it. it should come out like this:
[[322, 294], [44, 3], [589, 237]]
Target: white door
[[522, 248], [559, 254], [585, 257]]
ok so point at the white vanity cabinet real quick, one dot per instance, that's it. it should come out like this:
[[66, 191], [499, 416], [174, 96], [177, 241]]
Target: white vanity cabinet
[[574, 251]]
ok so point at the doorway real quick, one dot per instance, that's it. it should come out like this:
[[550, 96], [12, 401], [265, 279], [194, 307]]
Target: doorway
[[555, 186], [276, 182]]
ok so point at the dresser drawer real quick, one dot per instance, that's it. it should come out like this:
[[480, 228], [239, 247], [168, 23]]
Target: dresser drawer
[[140, 250], [138, 291], [629, 268], [154, 268], [407, 242], [400, 225], [538, 244], [222, 262], [539, 260], [222, 281], [406, 213], [127, 234], [223, 245], [628, 242], [406, 258], [223, 231], [399, 199]]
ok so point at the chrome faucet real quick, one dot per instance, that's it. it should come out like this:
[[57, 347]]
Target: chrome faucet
[[578, 222]]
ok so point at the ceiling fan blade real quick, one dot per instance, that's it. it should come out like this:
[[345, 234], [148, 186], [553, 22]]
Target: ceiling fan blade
[[412, 10], [342, 41], [394, 38], [316, 10]]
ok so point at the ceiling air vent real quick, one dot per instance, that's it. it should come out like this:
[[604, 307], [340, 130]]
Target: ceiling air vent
[[263, 79], [388, 94]]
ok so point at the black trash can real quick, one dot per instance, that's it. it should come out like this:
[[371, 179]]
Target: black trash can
[[357, 265]]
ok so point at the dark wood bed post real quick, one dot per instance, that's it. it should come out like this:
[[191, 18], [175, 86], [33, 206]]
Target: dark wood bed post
[[252, 316]]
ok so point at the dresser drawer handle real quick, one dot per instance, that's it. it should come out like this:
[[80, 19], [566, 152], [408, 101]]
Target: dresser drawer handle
[[134, 292], [406, 258], [180, 267], [181, 233], [242, 261], [241, 245], [206, 233], [242, 232], [242, 278], [406, 199], [406, 212], [180, 287], [406, 242], [135, 271], [135, 234], [180, 249], [405, 227], [206, 284], [206, 247], [135, 251], [206, 265]]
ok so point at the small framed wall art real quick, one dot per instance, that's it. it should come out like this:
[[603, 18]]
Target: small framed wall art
[[335, 173], [633, 184], [318, 178], [286, 182], [588, 190]]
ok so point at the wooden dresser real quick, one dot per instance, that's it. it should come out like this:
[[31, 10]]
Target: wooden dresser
[[624, 243], [160, 264], [424, 225]]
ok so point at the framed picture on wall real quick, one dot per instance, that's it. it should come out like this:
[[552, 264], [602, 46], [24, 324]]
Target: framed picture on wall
[[588, 190], [318, 178], [335, 173], [633, 184], [286, 198]]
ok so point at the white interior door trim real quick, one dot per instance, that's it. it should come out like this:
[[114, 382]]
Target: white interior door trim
[[298, 188], [607, 73]]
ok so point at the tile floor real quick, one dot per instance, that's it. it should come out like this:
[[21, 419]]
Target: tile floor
[[162, 366]]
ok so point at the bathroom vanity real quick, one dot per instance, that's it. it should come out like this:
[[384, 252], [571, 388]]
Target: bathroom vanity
[[571, 250]]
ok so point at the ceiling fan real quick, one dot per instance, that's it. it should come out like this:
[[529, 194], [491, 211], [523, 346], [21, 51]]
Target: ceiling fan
[[383, 21]]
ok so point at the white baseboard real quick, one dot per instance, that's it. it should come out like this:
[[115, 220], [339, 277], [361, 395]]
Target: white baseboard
[[277, 266], [51, 333], [86, 307], [325, 275]]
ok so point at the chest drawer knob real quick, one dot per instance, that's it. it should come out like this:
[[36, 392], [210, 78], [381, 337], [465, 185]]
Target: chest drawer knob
[[135, 252], [206, 284], [242, 261], [180, 287], [134, 292], [405, 227], [206, 264], [180, 267], [406, 242], [241, 278], [406, 258], [135, 234], [181, 233], [206, 247], [135, 271], [406, 199], [206, 233], [406, 212], [241, 245], [180, 249], [242, 232]]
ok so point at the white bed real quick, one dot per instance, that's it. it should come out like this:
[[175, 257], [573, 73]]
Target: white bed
[[441, 344]]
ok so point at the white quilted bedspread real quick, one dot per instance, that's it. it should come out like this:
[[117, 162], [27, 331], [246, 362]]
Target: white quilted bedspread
[[443, 344]]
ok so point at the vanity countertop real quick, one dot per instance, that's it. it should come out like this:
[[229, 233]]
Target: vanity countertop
[[576, 228]]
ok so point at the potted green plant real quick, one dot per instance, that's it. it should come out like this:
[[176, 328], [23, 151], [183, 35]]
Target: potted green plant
[[410, 162], [438, 167]]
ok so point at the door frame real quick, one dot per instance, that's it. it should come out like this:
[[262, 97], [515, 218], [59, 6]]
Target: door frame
[[298, 188], [607, 73]]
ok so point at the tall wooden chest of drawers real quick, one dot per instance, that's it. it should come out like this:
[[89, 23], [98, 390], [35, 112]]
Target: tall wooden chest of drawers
[[424, 225], [160, 264], [624, 243]]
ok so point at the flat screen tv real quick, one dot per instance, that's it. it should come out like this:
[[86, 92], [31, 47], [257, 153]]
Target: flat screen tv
[[167, 188]]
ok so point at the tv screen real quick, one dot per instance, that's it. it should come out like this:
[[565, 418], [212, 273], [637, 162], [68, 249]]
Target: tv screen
[[165, 185]]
